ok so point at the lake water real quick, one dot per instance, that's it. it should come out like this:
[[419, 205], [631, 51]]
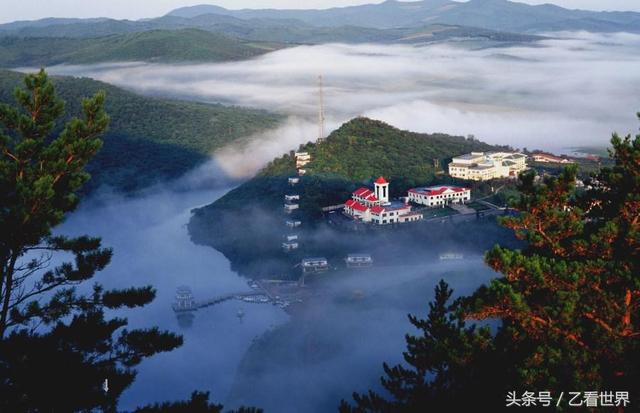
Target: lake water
[[269, 359], [152, 247]]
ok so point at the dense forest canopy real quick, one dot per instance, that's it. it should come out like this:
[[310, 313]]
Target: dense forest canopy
[[150, 140], [186, 45]]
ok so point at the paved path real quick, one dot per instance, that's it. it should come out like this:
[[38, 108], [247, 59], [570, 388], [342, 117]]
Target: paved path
[[463, 209]]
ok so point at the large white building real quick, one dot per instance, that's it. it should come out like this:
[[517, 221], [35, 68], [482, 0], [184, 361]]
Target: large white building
[[439, 196], [482, 166], [374, 206]]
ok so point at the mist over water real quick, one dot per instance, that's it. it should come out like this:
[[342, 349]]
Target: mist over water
[[568, 91], [573, 89], [152, 247], [337, 345], [306, 362]]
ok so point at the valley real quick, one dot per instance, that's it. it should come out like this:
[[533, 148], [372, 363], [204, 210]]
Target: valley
[[289, 204]]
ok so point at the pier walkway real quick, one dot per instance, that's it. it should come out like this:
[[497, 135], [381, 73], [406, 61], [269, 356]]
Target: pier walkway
[[258, 297]]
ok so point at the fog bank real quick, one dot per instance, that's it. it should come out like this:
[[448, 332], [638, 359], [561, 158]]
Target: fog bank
[[572, 90]]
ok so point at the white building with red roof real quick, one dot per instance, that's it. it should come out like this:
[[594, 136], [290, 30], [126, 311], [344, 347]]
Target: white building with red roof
[[549, 158], [439, 196], [374, 206]]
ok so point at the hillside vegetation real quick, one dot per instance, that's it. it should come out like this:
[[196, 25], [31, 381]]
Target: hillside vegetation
[[150, 140], [247, 223], [187, 45], [355, 154]]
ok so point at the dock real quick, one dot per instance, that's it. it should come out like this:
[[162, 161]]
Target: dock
[[251, 296]]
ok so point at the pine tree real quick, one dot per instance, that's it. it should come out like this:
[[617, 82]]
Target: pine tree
[[448, 367], [56, 346], [198, 403], [567, 304], [574, 293]]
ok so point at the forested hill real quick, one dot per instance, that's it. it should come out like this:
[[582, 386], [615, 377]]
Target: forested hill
[[149, 139], [187, 45], [247, 223], [364, 148], [355, 154]]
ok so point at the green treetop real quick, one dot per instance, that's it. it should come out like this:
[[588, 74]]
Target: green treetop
[[56, 346], [566, 306]]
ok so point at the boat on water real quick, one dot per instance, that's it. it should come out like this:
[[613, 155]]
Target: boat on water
[[256, 299], [358, 260], [451, 256]]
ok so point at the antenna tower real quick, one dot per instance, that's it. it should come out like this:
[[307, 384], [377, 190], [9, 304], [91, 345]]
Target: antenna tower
[[320, 109]]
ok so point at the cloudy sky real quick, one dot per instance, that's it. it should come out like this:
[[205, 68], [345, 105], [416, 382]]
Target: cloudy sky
[[136, 9]]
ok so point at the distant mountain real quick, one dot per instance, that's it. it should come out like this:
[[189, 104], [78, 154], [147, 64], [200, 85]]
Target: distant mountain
[[78, 28], [187, 45], [193, 11], [150, 140], [263, 29], [488, 14], [356, 23], [240, 41]]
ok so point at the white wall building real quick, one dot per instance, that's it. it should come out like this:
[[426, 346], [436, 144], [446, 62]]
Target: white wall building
[[374, 206], [314, 264], [481, 166], [289, 208], [302, 158], [439, 196]]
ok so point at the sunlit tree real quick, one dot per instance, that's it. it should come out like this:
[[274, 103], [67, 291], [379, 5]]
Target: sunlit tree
[[567, 304]]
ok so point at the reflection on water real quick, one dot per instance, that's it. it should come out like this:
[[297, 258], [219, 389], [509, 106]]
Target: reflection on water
[[337, 342], [250, 353], [151, 246], [185, 319]]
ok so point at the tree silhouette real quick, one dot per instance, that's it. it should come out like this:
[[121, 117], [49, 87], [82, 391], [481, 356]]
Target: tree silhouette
[[56, 346]]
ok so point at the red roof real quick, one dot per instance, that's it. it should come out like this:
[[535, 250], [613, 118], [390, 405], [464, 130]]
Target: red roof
[[438, 191], [548, 156], [377, 209], [365, 193], [355, 205], [381, 180]]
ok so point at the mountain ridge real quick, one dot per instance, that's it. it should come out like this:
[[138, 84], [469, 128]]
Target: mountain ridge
[[490, 14], [185, 45], [500, 15], [149, 140], [194, 45]]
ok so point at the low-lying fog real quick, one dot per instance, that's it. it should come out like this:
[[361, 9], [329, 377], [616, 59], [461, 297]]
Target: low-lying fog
[[152, 247], [571, 90], [562, 93], [302, 363]]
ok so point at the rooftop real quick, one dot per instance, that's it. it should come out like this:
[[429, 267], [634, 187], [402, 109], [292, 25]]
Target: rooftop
[[436, 190], [314, 261], [394, 205], [469, 156], [365, 193], [355, 205]]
